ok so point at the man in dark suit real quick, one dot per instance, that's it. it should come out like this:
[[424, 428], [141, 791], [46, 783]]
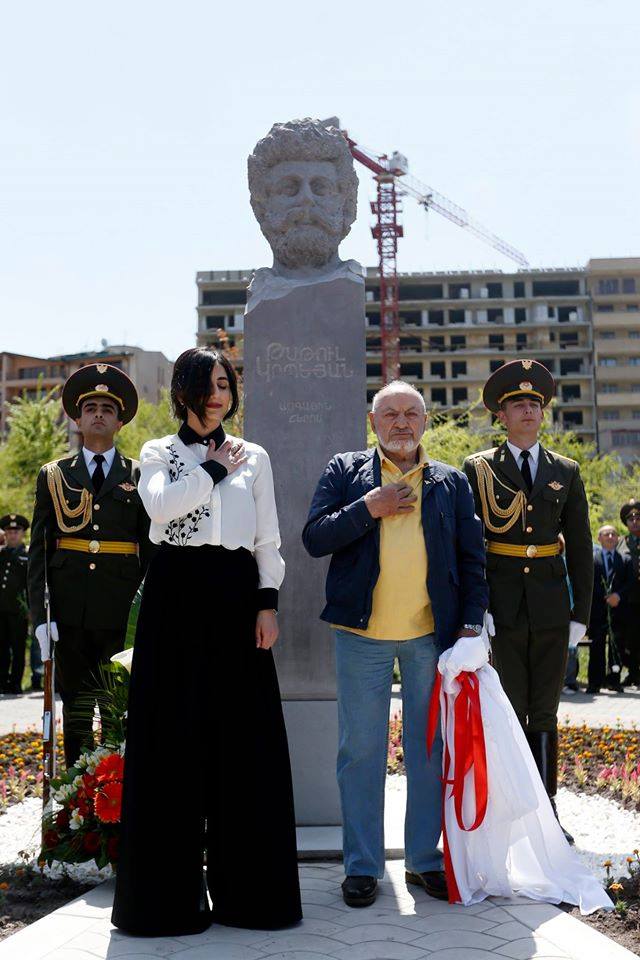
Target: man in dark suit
[[629, 546], [90, 538], [612, 581], [13, 603], [406, 580], [526, 496]]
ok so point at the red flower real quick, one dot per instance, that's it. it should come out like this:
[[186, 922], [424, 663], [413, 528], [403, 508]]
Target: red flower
[[91, 842], [110, 768], [62, 819], [89, 784], [108, 802], [112, 849], [50, 839]]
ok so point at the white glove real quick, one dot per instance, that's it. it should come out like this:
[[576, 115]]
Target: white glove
[[576, 633], [43, 640], [490, 626], [467, 655]]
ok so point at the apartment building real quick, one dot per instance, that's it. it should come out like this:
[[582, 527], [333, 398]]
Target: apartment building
[[456, 328], [21, 374], [614, 289]]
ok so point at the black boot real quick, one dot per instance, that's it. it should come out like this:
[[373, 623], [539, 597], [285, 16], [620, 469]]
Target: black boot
[[544, 747]]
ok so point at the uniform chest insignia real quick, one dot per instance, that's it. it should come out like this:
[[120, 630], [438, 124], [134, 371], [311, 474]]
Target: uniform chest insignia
[[128, 487], [555, 485]]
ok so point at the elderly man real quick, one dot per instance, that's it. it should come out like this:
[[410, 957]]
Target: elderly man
[[629, 546], [612, 581], [406, 579]]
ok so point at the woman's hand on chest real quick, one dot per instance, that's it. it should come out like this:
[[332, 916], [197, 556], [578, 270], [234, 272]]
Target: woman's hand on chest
[[231, 455]]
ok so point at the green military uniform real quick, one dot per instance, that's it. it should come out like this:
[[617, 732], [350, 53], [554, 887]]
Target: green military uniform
[[529, 596], [95, 547], [13, 608], [630, 545]]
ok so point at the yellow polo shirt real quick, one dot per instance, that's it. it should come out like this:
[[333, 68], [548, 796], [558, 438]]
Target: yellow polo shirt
[[401, 606]]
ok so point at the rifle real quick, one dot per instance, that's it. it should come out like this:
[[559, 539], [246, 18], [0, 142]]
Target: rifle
[[49, 744]]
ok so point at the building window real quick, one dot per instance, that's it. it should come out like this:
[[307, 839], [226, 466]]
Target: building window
[[211, 298], [495, 316], [607, 362], [420, 291], [604, 307], [628, 284], [460, 395], [633, 307], [459, 368], [611, 415], [439, 396], [437, 317], [570, 366], [635, 388], [412, 316], [370, 395], [215, 323], [456, 316], [634, 334], [374, 369], [458, 291], [495, 365], [610, 387], [556, 288], [635, 415], [572, 418], [438, 369], [608, 285], [458, 342], [569, 339], [496, 341], [518, 288], [374, 319], [411, 370], [521, 341], [520, 315], [436, 343], [495, 290], [634, 361], [625, 438], [607, 334], [571, 391]]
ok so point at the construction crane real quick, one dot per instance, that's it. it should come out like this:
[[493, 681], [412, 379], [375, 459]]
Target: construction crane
[[393, 181]]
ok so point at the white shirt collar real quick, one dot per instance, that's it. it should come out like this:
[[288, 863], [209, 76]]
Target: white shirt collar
[[534, 452], [108, 459]]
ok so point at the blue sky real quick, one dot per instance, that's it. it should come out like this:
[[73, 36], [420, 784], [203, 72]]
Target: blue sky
[[125, 130]]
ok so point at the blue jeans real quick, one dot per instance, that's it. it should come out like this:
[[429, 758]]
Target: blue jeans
[[365, 674]]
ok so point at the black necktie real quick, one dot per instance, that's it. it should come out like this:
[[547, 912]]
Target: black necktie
[[526, 469], [98, 473], [608, 563]]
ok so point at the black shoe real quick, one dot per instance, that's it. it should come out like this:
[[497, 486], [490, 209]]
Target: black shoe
[[591, 689], [433, 881], [359, 891], [574, 687], [568, 837]]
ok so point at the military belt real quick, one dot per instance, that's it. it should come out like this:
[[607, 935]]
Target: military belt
[[529, 550], [97, 546]]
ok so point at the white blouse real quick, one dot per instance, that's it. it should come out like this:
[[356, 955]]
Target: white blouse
[[187, 509]]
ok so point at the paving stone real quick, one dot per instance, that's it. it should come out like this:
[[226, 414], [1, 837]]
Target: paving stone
[[380, 950], [463, 953], [286, 941], [445, 921], [529, 948], [362, 933], [497, 914], [461, 938], [221, 951], [511, 930]]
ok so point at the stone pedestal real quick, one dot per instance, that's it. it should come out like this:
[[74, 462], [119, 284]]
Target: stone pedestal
[[305, 400]]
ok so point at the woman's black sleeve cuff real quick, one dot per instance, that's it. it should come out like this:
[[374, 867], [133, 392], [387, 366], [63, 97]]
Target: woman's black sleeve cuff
[[267, 598], [215, 470]]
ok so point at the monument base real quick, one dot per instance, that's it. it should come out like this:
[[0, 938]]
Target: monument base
[[312, 729]]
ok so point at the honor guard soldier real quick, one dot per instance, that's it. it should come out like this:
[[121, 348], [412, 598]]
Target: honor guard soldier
[[13, 603], [89, 542], [630, 545], [526, 496]]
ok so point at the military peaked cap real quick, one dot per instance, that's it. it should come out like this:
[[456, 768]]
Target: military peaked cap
[[13, 521], [518, 379], [100, 380], [625, 509]]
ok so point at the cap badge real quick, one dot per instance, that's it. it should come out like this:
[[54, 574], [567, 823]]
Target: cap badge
[[555, 485], [12, 516], [525, 385], [102, 367], [101, 388], [527, 364]]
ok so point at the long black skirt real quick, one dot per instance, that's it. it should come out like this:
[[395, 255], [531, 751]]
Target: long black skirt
[[207, 776]]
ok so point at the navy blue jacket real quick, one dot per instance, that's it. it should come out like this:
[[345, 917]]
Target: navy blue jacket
[[340, 524], [620, 582]]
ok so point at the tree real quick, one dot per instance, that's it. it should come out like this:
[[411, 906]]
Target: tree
[[37, 434], [151, 421]]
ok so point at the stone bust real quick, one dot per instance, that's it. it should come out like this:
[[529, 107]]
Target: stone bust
[[303, 191]]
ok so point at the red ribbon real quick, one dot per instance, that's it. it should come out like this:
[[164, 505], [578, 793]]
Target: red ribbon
[[470, 755]]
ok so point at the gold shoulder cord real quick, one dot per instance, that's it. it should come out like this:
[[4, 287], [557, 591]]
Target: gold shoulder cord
[[56, 483], [517, 507]]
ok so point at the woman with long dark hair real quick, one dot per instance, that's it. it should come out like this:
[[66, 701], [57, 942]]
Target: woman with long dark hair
[[207, 775]]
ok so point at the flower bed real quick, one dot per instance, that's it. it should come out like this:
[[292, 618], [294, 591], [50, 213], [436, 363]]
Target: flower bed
[[21, 766], [623, 923], [27, 894], [603, 760]]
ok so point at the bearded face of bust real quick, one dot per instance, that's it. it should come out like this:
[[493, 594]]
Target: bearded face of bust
[[303, 193]]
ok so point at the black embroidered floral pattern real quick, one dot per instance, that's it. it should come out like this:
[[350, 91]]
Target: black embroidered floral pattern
[[181, 530]]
